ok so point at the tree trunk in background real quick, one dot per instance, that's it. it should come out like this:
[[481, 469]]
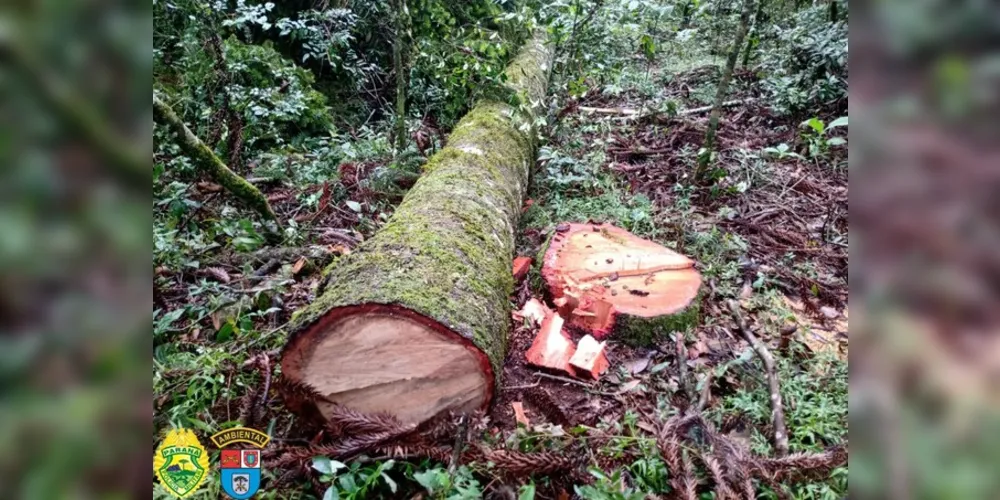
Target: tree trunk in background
[[686, 15], [414, 322], [206, 161], [720, 95], [402, 75], [754, 33]]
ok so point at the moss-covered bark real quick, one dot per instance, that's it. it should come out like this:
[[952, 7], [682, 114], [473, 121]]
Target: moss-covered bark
[[206, 160], [646, 332], [446, 251]]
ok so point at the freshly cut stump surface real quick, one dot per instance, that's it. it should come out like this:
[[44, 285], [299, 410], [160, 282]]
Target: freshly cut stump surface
[[605, 279]]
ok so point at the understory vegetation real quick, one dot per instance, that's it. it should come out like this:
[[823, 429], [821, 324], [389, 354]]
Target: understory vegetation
[[716, 128]]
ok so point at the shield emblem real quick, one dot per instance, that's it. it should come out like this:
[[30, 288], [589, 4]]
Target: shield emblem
[[181, 463], [240, 473]]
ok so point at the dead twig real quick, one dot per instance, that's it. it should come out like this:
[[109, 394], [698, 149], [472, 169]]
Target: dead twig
[[463, 431], [777, 413], [635, 114], [563, 379]]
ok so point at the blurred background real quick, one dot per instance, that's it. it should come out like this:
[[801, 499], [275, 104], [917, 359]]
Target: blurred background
[[925, 205], [75, 249]]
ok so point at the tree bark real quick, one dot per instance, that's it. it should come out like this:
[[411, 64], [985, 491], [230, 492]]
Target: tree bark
[[402, 80], [206, 160], [414, 322], [754, 33], [720, 94]]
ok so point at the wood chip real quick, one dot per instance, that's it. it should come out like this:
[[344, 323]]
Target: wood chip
[[519, 415], [551, 348], [521, 267], [589, 361]]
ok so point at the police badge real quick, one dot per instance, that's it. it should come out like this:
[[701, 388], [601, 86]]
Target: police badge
[[181, 463]]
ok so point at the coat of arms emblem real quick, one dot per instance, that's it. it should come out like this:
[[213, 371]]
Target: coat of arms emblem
[[240, 468], [181, 463]]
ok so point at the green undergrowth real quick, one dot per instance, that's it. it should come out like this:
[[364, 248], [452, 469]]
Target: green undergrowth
[[573, 183]]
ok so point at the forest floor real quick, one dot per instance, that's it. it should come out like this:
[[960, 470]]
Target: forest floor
[[770, 234]]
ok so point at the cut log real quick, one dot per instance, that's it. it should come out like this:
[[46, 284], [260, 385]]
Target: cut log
[[589, 360], [606, 280], [521, 267], [552, 349], [414, 322]]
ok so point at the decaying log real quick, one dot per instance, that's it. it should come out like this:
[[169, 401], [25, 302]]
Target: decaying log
[[606, 280], [414, 322]]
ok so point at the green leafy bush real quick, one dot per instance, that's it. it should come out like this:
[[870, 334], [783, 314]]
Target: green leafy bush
[[808, 68]]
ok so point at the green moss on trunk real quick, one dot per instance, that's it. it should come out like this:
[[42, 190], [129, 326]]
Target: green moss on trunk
[[645, 332], [446, 252]]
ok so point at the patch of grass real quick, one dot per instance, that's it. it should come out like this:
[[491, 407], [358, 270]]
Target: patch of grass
[[634, 213]]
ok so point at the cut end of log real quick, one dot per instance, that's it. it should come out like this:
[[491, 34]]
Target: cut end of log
[[598, 272], [383, 358], [552, 349]]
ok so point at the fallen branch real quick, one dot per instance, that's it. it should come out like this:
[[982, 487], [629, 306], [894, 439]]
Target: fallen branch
[[563, 379], [638, 114], [777, 413], [208, 162]]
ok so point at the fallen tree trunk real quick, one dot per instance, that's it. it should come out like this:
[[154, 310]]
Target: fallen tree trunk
[[414, 322]]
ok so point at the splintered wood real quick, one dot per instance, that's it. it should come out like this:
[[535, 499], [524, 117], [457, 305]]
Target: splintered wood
[[552, 349], [521, 267], [597, 273], [534, 311], [589, 360]]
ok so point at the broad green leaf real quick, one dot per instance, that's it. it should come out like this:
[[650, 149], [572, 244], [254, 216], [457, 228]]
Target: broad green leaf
[[837, 141], [815, 124], [225, 332], [326, 465], [527, 492], [331, 493], [839, 122]]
